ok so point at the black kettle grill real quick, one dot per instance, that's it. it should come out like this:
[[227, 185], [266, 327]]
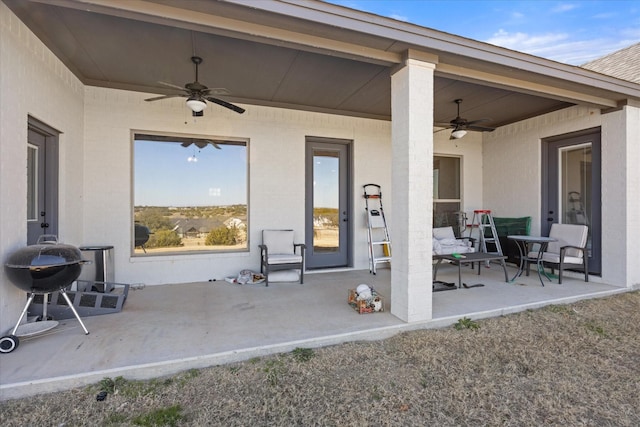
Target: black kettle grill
[[43, 268]]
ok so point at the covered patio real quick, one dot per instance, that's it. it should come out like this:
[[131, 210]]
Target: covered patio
[[385, 89], [167, 329]]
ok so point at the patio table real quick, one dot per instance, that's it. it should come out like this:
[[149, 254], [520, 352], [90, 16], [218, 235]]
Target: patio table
[[478, 257], [525, 244]]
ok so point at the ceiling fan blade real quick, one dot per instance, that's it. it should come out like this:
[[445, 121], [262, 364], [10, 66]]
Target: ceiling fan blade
[[215, 144], [440, 130], [186, 144], [201, 144], [481, 128], [216, 91], [443, 125], [156, 98], [472, 122], [226, 104], [172, 85]]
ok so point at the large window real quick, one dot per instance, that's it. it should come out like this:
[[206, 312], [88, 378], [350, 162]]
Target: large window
[[447, 203], [190, 195]]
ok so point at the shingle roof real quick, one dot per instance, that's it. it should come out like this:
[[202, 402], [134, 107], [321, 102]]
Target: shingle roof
[[623, 64]]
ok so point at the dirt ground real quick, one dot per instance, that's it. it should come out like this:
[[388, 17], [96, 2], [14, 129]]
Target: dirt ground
[[565, 365]]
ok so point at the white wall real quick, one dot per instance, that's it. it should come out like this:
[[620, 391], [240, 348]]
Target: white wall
[[623, 231], [34, 82], [469, 149], [95, 163], [512, 165], [632, 228], [277, 171], [512, 160]]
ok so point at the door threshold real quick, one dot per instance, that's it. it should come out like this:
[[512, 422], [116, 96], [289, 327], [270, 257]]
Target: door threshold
[[329, 270]]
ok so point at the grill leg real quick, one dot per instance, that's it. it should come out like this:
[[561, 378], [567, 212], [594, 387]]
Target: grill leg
[[29, 301], [66, 297]]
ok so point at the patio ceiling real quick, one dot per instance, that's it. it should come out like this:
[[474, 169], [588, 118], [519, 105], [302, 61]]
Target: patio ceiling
[[286, 54]]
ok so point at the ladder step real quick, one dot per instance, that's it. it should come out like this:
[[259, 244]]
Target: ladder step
[[482, 220], [376, 222]]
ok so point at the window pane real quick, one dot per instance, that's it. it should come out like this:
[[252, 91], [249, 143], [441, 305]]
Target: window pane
[[447, 171], [447, 214], [576, 184], [326, 197], [446, 194], [32, 182], [190, 193]]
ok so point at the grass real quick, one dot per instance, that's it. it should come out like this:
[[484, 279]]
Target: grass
[[575, 364]]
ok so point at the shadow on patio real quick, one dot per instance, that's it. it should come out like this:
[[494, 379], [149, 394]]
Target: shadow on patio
[[166, 329]]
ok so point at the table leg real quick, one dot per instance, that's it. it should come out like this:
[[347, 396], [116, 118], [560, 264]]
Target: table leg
[[459, 274], [540, 265], [521, 266], [504, 267], [435, 269]]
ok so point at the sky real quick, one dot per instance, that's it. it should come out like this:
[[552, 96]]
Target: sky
[[166, 175], [571, 32]]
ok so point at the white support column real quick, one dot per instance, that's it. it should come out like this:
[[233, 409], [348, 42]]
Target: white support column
[[412, 189], [632, 122], [620, 187]]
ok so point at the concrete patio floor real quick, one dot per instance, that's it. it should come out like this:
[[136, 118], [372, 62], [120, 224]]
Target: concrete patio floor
[[170, 328]]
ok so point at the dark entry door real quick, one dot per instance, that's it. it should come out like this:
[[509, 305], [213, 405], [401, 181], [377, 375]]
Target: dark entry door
[[572, 183], [327, 229], [42, 182]]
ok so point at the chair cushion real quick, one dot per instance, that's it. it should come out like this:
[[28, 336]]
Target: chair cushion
[[440, 233], [568, 234], [445, 242], [451, 246], [284, 259], [284, 276], [278, 241]]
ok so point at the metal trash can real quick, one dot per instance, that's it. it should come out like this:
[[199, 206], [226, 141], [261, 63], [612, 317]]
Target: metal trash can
[[101, 270]]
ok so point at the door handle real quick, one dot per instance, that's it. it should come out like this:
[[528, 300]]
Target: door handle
[[550, 219], [44, 225]]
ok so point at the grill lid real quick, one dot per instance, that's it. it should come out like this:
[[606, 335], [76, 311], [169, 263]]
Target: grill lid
[[44, 255]]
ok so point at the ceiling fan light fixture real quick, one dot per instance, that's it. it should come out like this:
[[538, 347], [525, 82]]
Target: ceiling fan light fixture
[[196, 105], [458, 133]]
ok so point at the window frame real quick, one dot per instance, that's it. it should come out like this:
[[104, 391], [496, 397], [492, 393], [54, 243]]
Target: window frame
[[436, 200], [177, 137]]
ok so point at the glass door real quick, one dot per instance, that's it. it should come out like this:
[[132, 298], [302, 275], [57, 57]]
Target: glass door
[[572, 186], [42, 181], [327, 208]]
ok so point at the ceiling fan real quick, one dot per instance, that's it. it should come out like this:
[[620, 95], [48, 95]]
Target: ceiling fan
[[461, 125], [197, 94], [201, 143]]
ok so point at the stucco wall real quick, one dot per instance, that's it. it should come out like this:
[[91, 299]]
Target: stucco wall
[[34, 82]]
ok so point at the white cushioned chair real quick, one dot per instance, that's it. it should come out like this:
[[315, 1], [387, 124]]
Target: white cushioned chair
[[446, 243], [278, 251], [570, 248]]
